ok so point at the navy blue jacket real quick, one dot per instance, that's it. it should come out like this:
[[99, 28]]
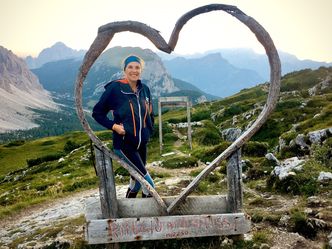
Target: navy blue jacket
[[133, 110]]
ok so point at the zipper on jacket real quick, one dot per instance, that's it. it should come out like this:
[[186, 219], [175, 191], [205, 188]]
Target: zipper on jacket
[[146, 112], [140, 121], [133, 116]]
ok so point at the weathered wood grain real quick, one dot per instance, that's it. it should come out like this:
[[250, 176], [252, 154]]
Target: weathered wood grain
[[165, 227], [146, 207]]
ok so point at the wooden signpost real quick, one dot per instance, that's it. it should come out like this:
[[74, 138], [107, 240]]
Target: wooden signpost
[[178, 101], [111, 220], [165, 227]]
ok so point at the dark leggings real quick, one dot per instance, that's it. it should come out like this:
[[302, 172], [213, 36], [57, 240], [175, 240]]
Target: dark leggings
[[136, 158]]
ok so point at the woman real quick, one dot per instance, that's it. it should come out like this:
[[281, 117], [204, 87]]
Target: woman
[[131, 104]]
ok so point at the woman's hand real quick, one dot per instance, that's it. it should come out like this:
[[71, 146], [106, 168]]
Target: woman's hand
[[118, 128]]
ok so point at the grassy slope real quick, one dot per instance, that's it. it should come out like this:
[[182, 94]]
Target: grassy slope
[[14, 157]]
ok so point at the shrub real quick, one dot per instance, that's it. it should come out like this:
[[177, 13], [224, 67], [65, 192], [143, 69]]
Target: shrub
[[257, 217], [323, 153], [210, 153], [253, 148], [47, 158], [169, 138], [70, 146], [15, 143], [198, 116], [260, 237], [81, 184], [288, 136], [298, 184], [207, 137], [299, 224], [291, 151], [106, 135], [121, 171], [256, 172], [271, 130], [233, 110], [48, 142]]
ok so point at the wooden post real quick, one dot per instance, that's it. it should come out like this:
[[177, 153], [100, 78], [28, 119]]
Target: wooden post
[[189, 124], [160, 126], [234, 184], [234, 178], [107, 190]]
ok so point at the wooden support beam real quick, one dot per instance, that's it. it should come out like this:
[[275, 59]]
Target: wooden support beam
[[189, 124], [234, 183], [160, 127], [130, 208], [165, 227], [107, 190]]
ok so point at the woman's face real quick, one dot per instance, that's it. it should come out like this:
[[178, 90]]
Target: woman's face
[[133, 71]]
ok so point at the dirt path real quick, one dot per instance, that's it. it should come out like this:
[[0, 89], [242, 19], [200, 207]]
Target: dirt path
[[44, 215]]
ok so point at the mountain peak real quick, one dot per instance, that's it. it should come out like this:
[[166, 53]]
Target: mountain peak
[[59, 44], [58, 51]]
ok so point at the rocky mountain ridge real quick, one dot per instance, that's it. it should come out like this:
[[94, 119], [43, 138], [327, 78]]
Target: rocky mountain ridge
[[59, 51], [20, 91]]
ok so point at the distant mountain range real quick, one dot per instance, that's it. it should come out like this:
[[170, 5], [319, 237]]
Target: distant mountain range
[[219, 72], [59, 76], [203, 77], [213, 74]]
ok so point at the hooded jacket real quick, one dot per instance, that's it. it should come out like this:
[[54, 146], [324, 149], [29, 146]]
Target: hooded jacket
[[133, 110]]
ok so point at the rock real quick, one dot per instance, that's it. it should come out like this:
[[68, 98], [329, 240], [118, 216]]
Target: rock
[[282, 143], [272, 158], [231, 134], [308, 211], [317, 223], [300, 141], [284, 220], [330, 240], [264, 246], [317, 136], [324, 176], [288, 167], [313, 201]]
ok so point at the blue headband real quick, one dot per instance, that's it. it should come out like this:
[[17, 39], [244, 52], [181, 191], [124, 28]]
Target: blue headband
[[131, 58]]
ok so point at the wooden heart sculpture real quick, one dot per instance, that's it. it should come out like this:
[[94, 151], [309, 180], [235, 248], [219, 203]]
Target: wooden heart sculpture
[[105, 35]]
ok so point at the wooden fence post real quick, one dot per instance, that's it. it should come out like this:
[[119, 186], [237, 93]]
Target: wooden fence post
[[234, 177], [160, 126], [189, 124], [107, 190], [234, 182]]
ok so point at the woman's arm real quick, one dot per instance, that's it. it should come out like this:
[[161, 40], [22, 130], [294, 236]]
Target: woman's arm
[[102, 108]]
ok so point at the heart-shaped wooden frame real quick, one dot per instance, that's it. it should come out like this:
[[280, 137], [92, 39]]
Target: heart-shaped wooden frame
[[105, 35]]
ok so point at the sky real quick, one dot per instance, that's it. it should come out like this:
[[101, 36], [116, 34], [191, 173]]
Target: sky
[[302, 28]]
